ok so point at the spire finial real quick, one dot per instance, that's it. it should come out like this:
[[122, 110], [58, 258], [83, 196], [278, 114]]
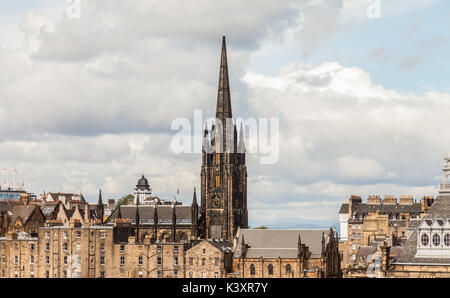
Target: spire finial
[[223, 109]]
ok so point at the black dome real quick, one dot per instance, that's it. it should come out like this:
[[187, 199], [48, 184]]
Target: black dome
[[142, 182]]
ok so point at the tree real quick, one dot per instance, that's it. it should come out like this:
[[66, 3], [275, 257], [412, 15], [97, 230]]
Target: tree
[[125, 200], [260, 228]]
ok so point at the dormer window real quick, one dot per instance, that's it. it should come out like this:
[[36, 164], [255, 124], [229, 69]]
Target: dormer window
[[436, 240], [447, 239], [425, 239]]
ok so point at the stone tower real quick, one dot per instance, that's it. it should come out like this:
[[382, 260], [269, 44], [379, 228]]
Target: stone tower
[[223, 171]]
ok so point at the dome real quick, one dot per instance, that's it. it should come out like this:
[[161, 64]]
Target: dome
[[143, 182]]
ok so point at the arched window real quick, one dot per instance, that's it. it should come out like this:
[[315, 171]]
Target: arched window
[[288, 269], [447, 239], [270, 268], [252, 269], [425, 239], [436, 240]]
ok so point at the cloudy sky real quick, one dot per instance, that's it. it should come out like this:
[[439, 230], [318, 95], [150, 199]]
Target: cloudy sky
[[363, 102]]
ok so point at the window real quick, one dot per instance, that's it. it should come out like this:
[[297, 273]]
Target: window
[[270, 269], [203, 274], [203, 262], [191, 261], [191, 274], [204, 251], [175, 249], [436, 240], [159, 273], [47, 274], [216, 274], [16, 247], [122, 260], [216, 261], [65, 235], [47, 246], [16, 259], [65, 245], [31, 274], [122, 248], [288, 269], [3, 259], [47, 235], [47, 260], [141, 274], [102, 260], [92, 261], [92, 247], [159, 248], [102, 234], [65, 260], [175, 261], [78, 234], [31, 260], [102, 247], [447, 239], [424, 239], [102, 274], [32, 246], [175, 273], [140, 261], [252, 269], [16, 274], [158, 262]]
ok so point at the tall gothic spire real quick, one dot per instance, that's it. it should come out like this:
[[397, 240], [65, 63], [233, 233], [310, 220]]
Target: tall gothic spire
[[223, 109]]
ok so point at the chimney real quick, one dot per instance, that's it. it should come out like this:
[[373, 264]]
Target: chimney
[[390, 200], [427, 201], [374, 200], [406, 200], [352, 203]]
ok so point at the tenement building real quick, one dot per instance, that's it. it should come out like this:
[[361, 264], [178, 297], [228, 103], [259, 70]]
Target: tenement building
[[369, 224]]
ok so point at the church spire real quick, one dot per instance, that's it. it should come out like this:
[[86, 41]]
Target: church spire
[[223, 109]]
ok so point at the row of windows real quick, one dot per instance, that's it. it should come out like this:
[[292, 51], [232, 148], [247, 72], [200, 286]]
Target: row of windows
[[288, 269], [77, 233], [216, 261], [191, 274], [436, 240]]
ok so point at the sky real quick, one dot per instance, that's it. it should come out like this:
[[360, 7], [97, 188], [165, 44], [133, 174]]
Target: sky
[[362, 101]]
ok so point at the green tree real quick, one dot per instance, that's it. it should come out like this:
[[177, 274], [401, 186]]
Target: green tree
[[125, 200], [260, 228]]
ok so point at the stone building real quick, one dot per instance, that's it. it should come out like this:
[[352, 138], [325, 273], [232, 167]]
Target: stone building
[[286, 254], [209, 259], [378, 220], [426, 253]]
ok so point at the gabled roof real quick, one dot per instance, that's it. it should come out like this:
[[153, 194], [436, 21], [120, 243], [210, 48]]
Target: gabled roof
[[24, 212], [146, 214], [280, 243]]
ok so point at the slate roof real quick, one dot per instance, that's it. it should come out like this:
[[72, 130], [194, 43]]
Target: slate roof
[[23, 212], [344, 209], [439, 210], [6, 206], [146, 214], [223, 245], [279, 243], [394, 210]]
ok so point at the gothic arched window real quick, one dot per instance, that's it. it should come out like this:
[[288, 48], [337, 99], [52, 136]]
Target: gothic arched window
[[447, 239], [425, 239], [270, 268], [252, 269], [288, 269], [436, 240]]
